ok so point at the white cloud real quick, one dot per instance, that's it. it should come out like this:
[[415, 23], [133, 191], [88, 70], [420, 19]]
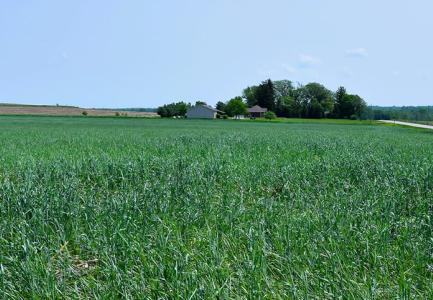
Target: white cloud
[[357, 52], [306, 60]]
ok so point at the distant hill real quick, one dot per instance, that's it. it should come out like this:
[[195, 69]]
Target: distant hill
[[61, 110], [35, 105]]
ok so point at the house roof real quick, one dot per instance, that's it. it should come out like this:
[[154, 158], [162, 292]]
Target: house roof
[[257, 109], [211, 108], [208, 107]]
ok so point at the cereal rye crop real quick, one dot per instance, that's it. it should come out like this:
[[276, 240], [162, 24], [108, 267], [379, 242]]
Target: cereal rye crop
[[133, 208]]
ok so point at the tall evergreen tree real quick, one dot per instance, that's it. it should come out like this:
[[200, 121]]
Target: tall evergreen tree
[[339, 99], [266, 95], [221, 106]]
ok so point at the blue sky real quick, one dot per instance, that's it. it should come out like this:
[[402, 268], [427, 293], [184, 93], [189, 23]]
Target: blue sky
[[137, 53]]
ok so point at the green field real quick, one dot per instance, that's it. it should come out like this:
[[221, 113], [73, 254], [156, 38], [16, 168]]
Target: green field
[[136, 208]]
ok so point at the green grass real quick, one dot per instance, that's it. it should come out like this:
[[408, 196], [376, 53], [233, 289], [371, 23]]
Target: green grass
[[134, 208]]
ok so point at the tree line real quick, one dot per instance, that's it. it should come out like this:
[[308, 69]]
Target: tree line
[[409, 113], [285, 100], [177, 109]]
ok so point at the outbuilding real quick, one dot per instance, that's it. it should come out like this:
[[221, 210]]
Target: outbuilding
[[202, 112], [257, 111]]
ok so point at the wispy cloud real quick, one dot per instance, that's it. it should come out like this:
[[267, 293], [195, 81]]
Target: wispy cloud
[[306, 61], [289, 69], [357, 52], [266, 70], [346, 73]]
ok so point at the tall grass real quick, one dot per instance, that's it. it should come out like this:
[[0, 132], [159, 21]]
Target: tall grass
[[119, 208]]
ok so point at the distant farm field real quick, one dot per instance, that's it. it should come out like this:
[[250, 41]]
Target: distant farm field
[[152, 208], [48, 110]]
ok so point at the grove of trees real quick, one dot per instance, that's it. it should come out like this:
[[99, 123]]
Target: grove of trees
[[304, 101], [178, 109], [284, 99]]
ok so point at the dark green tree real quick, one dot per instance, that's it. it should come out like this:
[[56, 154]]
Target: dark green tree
[[294, 107], [302, 100], [173, 110], [236, 106], [265, 95], [328, 107], [340, 93], [339, 96], [315, 109], [283, 91], [286, 107], [318, 92], [351, 106], [250, 95], [221, 106], [320, 100]]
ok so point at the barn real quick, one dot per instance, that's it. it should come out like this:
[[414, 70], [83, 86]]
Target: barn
[[202, 112]]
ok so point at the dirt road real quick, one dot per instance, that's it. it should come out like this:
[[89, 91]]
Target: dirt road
[[407, 124]]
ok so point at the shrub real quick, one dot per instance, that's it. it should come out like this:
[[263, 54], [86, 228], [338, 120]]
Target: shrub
[[270, 115], [225, 117], [117, 114], [84, 113]]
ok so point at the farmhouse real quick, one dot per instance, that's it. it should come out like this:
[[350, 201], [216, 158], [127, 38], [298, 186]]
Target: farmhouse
[[202, 112], [257, 111]]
